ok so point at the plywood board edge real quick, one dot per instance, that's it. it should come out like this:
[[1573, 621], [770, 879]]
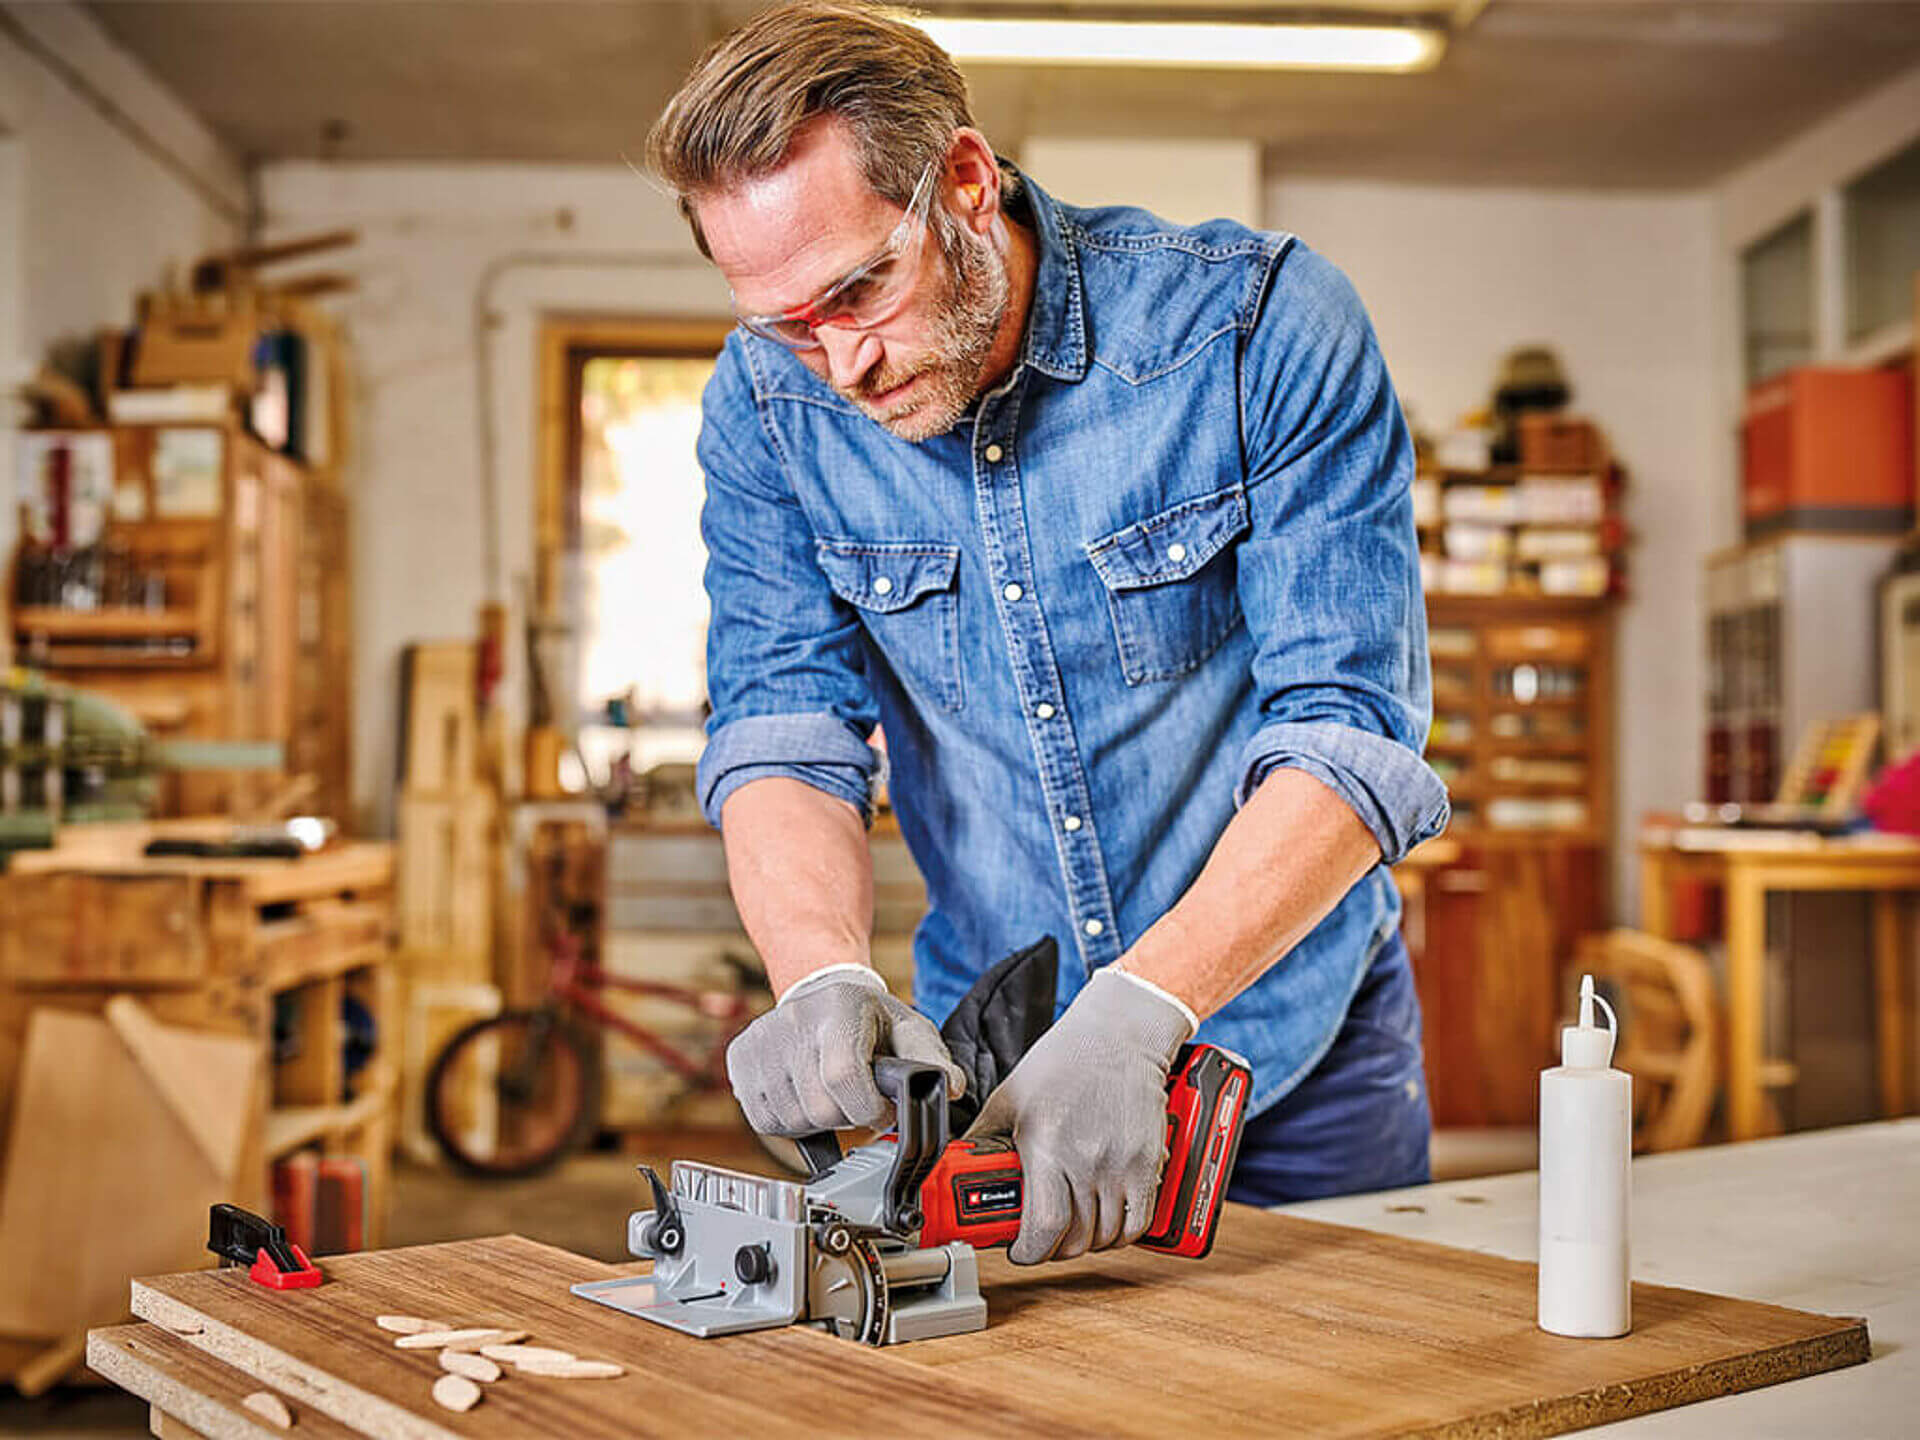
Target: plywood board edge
[[1836, 1349], [308, 1384], [109, 1355]]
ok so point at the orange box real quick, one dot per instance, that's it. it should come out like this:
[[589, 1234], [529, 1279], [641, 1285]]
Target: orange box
[[1828, 451]]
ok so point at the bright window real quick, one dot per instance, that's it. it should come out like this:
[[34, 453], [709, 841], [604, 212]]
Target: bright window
[[641, 609]]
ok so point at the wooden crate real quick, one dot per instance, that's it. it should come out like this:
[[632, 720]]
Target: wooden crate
[[203, 339], [1561, 444]]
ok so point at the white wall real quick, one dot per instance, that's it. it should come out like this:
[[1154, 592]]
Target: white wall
[[539, 239], [1185, 181], [1618, 285], [88, 218]]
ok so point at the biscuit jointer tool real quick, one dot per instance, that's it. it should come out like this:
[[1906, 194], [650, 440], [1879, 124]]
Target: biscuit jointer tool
[[880, 1244]]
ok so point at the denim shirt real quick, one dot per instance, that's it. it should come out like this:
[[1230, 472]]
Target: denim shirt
[[1173, 550]]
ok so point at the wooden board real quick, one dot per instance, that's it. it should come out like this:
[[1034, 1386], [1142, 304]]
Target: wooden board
[[1292, 1328], [1295, 1327], [194, 1388], [322, 1350], [102, 1181]]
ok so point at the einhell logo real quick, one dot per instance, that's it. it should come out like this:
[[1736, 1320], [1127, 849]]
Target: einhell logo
[[990, 1197]]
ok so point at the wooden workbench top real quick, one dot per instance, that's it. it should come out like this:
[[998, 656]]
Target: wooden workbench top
[[356, 865], [1291, 1328]]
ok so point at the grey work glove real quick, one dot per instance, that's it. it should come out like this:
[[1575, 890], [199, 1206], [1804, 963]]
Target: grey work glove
[[807, 1064], [1087, 1110]]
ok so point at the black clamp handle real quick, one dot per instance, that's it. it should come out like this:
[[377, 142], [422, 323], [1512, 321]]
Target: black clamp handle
[[240, 1237], [919, 1096], [666, 1232]]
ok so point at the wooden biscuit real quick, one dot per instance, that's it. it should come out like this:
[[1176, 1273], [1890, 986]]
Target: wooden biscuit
[[455, 1392], [464, 1362]]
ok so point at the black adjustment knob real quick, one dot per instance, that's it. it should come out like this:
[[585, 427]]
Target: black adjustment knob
[[664, 1236], [753, 1264]]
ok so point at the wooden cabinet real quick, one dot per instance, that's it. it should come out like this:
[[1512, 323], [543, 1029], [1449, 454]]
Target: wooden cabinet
[[213, 605], [1523, 735]]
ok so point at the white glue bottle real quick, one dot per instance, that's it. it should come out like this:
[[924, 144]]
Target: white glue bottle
[[1586, 1143]]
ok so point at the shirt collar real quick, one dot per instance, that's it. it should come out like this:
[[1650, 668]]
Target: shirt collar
[[1056, 342]]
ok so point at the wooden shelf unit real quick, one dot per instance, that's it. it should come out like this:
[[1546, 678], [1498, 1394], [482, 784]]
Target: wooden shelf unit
[[253, 639], [1500, 920]]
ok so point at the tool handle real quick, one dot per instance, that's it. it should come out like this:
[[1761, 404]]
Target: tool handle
[[919, 1096]]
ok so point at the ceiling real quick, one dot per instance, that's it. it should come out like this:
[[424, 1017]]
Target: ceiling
[[1587, 93]]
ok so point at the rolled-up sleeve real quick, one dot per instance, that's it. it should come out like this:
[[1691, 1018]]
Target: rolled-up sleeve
[[1329, 574], [785, 664]]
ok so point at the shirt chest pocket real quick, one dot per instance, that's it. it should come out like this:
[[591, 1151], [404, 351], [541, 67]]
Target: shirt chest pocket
[[904, 591], [1172, 584]]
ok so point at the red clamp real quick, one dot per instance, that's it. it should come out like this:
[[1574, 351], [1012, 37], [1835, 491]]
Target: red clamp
[[240, 1237], [265, 1272]]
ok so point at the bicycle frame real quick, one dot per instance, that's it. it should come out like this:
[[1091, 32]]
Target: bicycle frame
[[580, 983]]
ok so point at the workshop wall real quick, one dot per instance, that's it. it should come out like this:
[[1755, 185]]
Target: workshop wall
[[1619, 285], [433, 240], [87, 216]]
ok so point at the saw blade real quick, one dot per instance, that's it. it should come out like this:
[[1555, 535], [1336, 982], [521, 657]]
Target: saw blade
[[847, 1293]]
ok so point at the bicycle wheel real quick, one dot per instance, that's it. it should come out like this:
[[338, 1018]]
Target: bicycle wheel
[[512, 1094]]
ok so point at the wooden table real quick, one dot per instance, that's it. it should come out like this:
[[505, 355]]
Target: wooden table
[[1291, 1328], [1750, 866], [1823, 1219]]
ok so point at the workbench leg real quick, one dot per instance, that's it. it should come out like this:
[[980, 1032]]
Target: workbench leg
[[1892, 1014], [1746, 1003], [1656, 899]]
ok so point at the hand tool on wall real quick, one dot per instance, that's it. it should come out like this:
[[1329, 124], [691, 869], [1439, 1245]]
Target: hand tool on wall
[[879, 1245]]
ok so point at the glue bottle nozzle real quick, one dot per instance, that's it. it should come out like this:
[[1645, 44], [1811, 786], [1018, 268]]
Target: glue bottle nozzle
[[1586, 1001]]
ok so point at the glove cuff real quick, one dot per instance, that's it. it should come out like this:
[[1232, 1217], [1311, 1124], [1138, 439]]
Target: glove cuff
[[849, 970], [1114, 1002], [1186, 1010]]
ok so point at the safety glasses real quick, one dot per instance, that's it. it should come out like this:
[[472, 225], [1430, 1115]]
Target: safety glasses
[[870, 294]]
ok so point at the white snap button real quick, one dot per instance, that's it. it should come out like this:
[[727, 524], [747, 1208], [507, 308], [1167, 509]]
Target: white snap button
[[994, 452], [1072, 822], [1043, 710], [1013, 591], [883, 586], [1093, 927], [1176, 552]]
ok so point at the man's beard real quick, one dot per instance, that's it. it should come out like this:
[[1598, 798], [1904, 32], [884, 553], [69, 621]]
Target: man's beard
[[965, 323]]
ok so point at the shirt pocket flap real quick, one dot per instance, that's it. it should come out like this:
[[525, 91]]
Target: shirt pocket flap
[[885, 576], [1171, 545]]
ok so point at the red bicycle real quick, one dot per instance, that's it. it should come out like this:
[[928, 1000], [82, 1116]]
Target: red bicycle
[[513, 1094]]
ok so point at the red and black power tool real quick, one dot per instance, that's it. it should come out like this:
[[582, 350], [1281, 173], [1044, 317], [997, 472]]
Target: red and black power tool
[[976, 1188]]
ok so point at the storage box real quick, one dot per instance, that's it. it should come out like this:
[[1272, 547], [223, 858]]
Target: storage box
[[1561, 444], [1828, 451], [197, 340]]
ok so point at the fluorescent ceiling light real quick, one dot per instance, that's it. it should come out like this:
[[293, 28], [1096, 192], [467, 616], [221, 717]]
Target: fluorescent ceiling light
[[1234, 44]]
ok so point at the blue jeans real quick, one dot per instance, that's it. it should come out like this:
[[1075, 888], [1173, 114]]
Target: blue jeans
[[1359, 1121]]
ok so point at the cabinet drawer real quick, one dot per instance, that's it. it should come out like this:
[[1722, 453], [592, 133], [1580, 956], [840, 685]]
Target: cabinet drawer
[[63, 928]]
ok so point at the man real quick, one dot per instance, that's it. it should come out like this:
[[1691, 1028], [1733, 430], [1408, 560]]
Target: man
[[1107, 522]]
